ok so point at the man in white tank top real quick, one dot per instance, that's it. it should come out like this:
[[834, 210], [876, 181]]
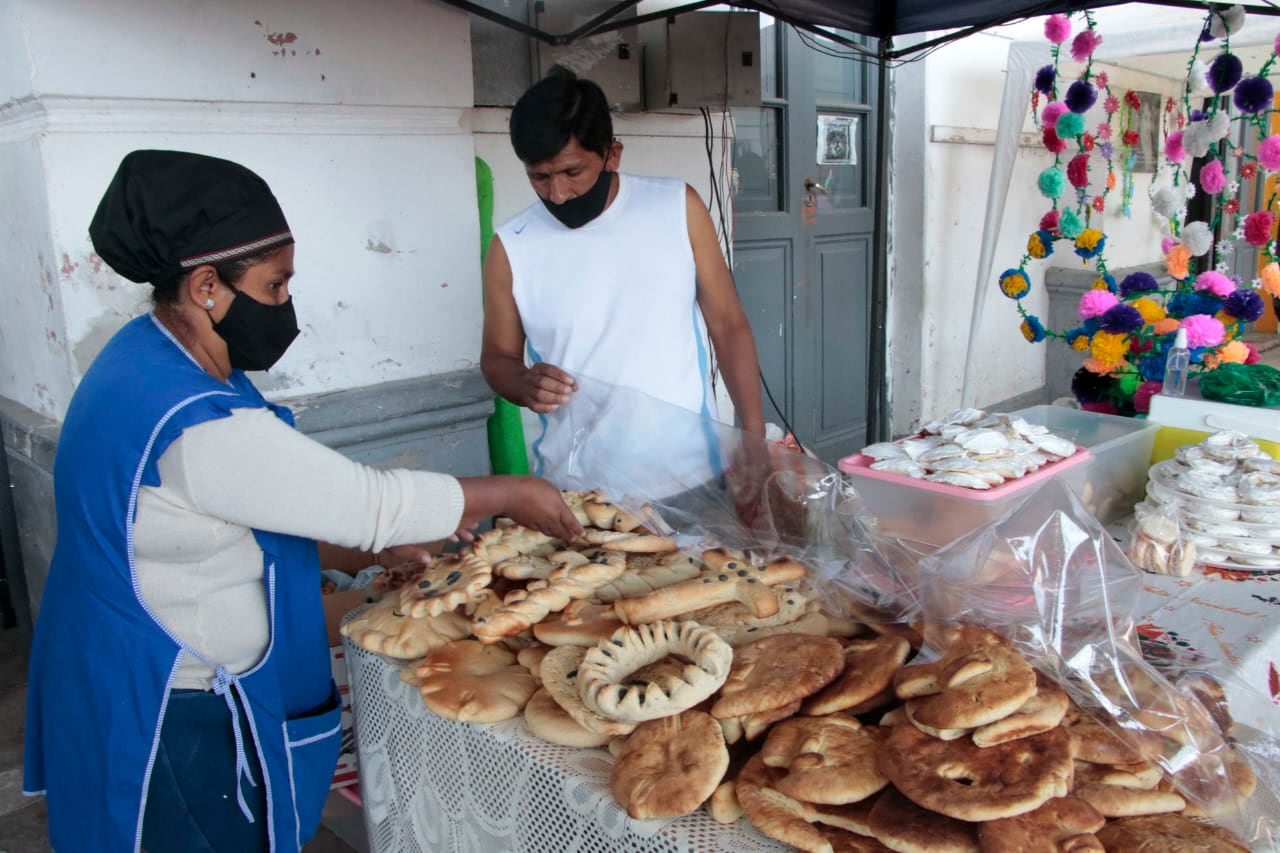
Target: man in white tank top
[[612, 277]]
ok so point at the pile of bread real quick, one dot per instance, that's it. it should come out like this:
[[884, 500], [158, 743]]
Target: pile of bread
[[720, 683]]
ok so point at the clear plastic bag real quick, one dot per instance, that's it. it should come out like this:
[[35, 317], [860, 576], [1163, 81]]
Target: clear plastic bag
[[1159, 544], [712, 484], [1049, 577], [1046, 575]]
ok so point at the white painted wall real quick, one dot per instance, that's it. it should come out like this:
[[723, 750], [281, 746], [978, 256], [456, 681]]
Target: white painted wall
[[359, 116], [963, 86]]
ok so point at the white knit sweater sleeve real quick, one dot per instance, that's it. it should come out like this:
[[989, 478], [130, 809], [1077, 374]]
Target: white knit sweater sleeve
[[254, 470]]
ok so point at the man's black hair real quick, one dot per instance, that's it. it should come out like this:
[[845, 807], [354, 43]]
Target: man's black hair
[[557, 108]]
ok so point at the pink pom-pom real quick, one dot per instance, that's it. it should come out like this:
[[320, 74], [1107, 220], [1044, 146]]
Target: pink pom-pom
[[1257, 227], [1057, 29], [1049, 115], [1216, 283], [1094, 303], [1049, 222], [1253, 357], [1203, 330], [1269, 153], [1173, 147], [1212, 178], [1276, 46], [1167, 243], [1102, 407], [1078, 171], [1084, 44], [1143, 394]]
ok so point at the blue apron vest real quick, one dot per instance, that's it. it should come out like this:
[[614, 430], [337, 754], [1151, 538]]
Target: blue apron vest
[[101, 663]]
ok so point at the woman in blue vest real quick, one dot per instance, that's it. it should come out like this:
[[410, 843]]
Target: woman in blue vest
[[180, 696]]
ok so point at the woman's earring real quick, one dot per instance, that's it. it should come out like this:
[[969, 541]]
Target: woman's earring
[[208, 304]]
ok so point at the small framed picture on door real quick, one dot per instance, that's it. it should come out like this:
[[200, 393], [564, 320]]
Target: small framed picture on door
[[835, 140]]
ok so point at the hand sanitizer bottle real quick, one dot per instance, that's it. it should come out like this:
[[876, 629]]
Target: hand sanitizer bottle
[[1175, 367]]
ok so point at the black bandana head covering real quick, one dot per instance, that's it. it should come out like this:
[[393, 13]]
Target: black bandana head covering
[[168, 212]]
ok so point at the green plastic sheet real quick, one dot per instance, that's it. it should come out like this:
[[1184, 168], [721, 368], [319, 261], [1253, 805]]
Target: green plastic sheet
[[507, 454], [1242, 384]]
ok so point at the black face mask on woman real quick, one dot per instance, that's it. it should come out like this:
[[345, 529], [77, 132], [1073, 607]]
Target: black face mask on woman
[[580, 210], [257, 334]]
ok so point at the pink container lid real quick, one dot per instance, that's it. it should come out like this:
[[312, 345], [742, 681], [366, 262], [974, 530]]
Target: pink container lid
[[859, 465]]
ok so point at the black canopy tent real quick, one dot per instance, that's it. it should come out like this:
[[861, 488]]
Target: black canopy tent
[[882, 20]]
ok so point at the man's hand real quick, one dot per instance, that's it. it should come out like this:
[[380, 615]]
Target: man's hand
[[750, 466], [545, 388]]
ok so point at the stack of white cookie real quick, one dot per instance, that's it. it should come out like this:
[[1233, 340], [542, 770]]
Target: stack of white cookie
[[718, 680]]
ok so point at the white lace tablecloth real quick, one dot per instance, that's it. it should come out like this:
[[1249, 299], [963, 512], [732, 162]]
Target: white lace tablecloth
[[431, 784]]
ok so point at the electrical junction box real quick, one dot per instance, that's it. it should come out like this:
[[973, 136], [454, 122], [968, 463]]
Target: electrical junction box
[[612, 60], [702, 59]]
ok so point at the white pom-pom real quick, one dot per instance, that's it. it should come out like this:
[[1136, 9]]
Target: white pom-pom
[[1165, 201], [1226, 22], [1198, 79], [1195, 139], [1219, 126], [1197, 237]]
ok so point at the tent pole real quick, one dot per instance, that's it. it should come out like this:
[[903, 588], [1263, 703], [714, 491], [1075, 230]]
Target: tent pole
[[879, 420]]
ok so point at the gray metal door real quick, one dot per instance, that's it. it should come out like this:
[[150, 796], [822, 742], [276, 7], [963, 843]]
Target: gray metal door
[[802, 185]]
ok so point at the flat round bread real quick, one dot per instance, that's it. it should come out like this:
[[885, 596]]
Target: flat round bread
[[869, 667], [968, 782], [829, 760], [474, 683], [901, 825], [1168, 834], [979, 679], [1041, 712], [1063, 823], [669, 767], [777, 671], [1119, 801], [775, 814], [547, 720]]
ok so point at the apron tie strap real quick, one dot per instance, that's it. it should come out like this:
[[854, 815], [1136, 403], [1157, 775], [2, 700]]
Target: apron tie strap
[[223, 682]]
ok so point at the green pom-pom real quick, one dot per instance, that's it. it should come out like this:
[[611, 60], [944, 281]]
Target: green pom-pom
[[1069, 224], [1129, 383], [1070, 125], [1051, 182]]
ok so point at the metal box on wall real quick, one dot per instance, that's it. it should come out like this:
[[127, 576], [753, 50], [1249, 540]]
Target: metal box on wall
[[612, 59], [702, 59]]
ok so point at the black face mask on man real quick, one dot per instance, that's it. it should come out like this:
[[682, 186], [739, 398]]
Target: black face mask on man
[[580, 210], [257, 334]]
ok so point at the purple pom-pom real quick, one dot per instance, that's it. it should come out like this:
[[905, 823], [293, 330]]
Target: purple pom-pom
[[1225, 72], [1080, 97], [1122, 319], [1044, 79], [1253, 95], [1137, 282], [1196, 115], [1244, 304]]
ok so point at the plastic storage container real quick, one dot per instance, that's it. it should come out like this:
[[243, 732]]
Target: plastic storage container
[[934, 514], [1121, 448]]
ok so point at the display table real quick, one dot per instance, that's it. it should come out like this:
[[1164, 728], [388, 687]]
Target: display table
[[431, 784], [1220, 617]]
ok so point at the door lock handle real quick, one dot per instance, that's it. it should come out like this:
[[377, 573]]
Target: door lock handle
[[812, 186]]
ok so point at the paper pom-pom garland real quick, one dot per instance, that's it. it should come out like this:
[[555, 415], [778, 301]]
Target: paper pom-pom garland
[[1126, 329]]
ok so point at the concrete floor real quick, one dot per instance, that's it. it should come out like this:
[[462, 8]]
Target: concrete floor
[[23, 823]]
